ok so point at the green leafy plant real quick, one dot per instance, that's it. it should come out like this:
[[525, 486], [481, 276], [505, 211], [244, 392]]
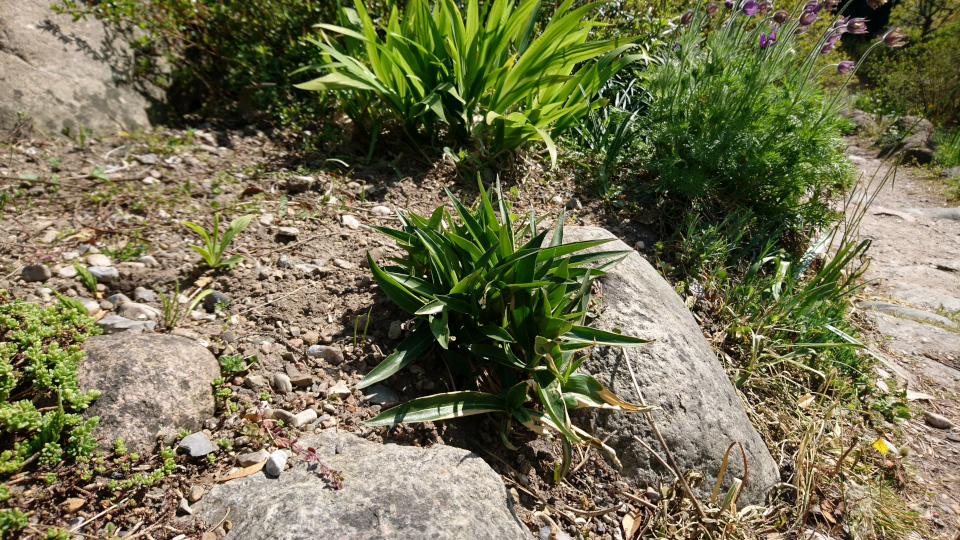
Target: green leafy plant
[[11, 521], [86, 278], [234, 364], [506, 311], [735, 117], [39, 356], [486, 75], [214, 243]]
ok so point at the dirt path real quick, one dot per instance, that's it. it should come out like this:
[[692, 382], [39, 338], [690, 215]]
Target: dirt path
[[913, 304]]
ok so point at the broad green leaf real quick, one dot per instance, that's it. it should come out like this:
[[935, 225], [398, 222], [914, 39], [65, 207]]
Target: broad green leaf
[[585, 334], [409, 349], [407, 301], [439, 407]]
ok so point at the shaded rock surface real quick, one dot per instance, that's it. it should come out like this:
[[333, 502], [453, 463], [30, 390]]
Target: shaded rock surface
[[679, 372], [389, 491], [151, 385], [60, 72]]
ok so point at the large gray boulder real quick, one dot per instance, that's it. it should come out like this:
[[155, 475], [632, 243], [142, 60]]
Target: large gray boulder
[[863, 122], [152, 385], [389, 491], [702, 414], [59, 72]]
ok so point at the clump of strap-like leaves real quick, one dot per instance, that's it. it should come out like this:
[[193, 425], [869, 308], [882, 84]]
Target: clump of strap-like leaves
[[39, 356], [507, 310]]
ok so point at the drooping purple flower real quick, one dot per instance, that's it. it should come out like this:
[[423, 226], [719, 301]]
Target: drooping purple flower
[[813, 7], [711, 8], [845, 67], [808, 18], [751, 7], [857, 25], [728, 4], [894, 38], [831, 5], [826, 48], [801, 30], [781, 16], [767, 40], [841, 21], [765, 7], [686, 17]]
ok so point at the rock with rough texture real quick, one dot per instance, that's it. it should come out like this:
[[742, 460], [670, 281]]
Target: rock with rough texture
[[936, 420], [104, 273], [908, 312], [953, 172], [36, 272], [679, 372], [197, 444], [379, 394], [276, 463], [151, 385], [862, 121], [919, 135], [246, 460], [332, 355], [389, 491], [59, 72], [115, 324], [135, 311]]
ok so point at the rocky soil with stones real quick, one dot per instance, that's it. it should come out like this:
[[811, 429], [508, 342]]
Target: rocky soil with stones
[[276, 439]]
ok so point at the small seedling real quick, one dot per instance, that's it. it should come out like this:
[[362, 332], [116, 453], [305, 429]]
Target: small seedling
[[214, 244], [86, 277], [173, 311]]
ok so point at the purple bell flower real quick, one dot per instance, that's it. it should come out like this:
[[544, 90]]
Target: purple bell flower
[[751, 8], [808, 18], [813, 7], [826, 48], [845, 67], [711, 8], [686, 17], [894, 38], [781, 16], [728, 4], [857, 25], [767, 40], [765, 7], [801, 30]]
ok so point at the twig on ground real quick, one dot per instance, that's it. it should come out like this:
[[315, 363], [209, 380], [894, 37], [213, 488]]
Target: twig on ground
[[274, 300]]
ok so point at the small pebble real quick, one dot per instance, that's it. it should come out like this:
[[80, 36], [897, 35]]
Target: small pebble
[[196, 492], [936, 420], [276, 462]]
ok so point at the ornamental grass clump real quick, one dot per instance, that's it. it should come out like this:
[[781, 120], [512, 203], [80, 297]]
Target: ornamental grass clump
[[737, 120], [485, 75], [39, 356], [507, 312]]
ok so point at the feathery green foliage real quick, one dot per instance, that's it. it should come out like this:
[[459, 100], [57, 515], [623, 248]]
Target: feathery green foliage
[[495, 299], [39, 355], [736, 120], [484, 74]]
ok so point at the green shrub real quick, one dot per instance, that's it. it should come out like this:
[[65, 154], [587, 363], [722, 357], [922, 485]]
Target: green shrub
[[921, 79], [39, 355], [948, 147], [506, 311], [737, 120], [486, 75]]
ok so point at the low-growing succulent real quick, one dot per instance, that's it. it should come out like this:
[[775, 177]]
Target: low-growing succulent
[[39, 356], [507, 311]]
